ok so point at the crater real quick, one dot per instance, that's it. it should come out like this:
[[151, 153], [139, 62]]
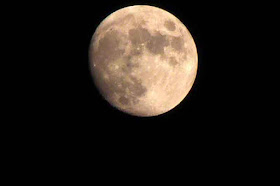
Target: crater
[[172, 61], [123, 100], [177, 43], [157, 43], [170, 25]]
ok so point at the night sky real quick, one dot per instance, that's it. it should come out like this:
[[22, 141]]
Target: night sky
[[211, 108], [67, 129]]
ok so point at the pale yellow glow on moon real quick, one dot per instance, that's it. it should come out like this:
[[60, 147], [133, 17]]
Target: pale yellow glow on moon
[[143, 60]]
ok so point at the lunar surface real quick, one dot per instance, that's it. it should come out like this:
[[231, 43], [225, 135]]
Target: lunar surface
[[143, 60]]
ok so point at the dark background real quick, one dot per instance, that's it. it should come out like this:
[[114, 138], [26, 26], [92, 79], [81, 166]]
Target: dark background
[[72, 105], [61, 128], [66, 125]]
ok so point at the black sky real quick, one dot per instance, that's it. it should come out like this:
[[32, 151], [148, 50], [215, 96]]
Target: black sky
[[65, 127], [212, 105]]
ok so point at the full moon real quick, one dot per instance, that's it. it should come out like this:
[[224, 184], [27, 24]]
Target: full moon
[[143, 60]]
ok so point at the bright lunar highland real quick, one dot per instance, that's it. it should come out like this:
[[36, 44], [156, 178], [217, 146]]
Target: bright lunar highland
[[143, 60]]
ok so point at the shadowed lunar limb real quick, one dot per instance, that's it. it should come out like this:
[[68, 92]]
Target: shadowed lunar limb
[[143, 60]]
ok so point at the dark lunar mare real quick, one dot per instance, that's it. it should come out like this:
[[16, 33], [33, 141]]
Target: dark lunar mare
[[154, 43], [108, 52], [170, 25], [177, 43], [108, 49]]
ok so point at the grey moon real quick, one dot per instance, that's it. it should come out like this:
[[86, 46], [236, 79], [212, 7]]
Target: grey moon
[[143, 60]]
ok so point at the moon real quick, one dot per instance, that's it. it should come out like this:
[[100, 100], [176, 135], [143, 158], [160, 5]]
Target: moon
[[143, 60]]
